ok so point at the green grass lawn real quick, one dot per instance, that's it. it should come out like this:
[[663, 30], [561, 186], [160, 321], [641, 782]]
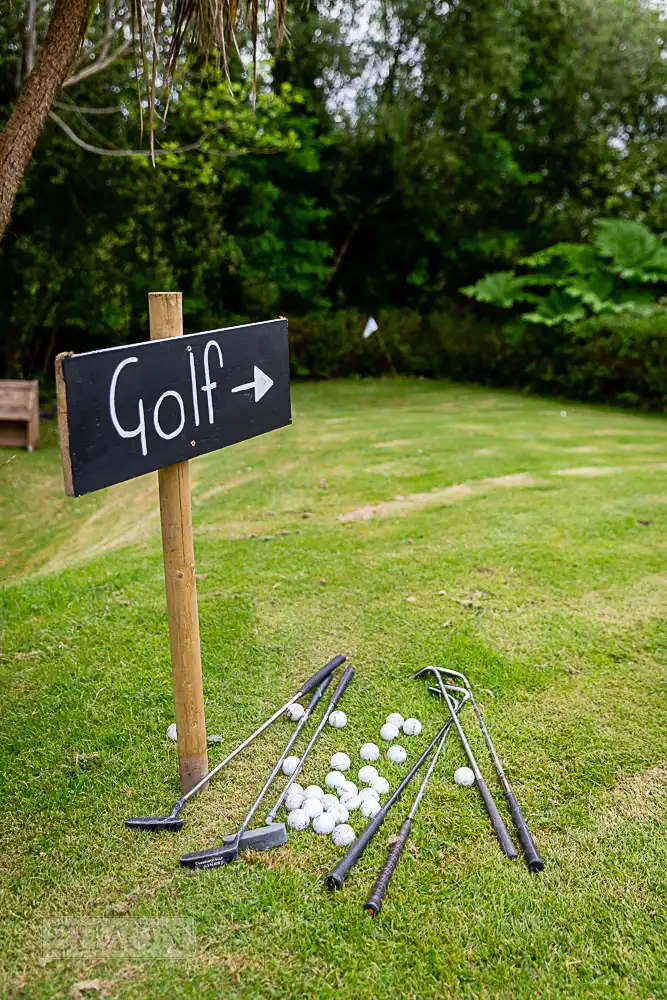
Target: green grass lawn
[[403, 523]]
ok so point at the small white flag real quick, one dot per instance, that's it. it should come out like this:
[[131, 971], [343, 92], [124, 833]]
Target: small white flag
[[370, 328]]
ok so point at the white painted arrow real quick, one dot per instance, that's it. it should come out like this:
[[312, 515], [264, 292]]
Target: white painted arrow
[[261, 385]]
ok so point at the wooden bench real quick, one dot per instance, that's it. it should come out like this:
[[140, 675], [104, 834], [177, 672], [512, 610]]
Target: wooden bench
[[19, 414]]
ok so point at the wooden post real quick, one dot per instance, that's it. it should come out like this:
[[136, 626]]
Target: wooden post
[[166, 320]]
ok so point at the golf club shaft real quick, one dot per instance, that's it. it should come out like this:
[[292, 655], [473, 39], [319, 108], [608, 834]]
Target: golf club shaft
[[497, 822], [335, 878], [345, 679], [312, 682], [374, 901], [530, 852], [288, 746]]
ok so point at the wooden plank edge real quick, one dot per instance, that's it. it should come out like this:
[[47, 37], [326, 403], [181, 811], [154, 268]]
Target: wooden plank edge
[[63, 424]]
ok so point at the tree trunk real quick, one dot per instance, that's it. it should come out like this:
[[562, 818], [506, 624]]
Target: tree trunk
[[20, 134]]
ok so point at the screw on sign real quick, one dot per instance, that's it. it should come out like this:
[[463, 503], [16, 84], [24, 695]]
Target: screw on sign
[[126, 411]]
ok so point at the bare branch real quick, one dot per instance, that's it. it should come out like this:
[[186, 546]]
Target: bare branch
[[30, 35], [88, 111], [108, 29], [190, 147], [98, 65]]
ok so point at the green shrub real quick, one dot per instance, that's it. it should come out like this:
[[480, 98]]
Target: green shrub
[[618, 358]]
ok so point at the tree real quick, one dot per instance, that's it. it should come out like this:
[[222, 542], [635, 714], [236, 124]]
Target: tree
[[209, 24]]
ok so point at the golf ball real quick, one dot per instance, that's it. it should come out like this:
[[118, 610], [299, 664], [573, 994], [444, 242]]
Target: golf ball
[[296, 787], [347, 786], [295, 711], [396, 754], [312, 808], [343, 835], [369, 751], [340, 762], [314, 792], [329, 802], [412, 727], [351, 802], [389, 732], [298, 819], [464, 776], [367, 773], [340, 814], [334, 779], [369, 793], [290, 765], [395, 719], [324, 823], [338, 720], [369, 808], [294, 800], [380, 784], [171, 732]]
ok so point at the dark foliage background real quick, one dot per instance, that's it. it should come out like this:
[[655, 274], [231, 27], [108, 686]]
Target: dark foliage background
[[401, 149]]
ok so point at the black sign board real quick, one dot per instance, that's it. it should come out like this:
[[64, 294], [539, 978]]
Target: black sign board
[[125, 411]]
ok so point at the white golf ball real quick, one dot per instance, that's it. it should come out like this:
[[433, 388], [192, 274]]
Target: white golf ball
[[412, 727], [369, 793], [395, 719], [338, 720], [397, 754], [334, 779], [290, 765], [380, 784], [294, 800], [295, 711], [314, 792], [347, 786], [171, 733], [369, 808], [389, 732], [340, 814], [296, 787], [367, 773], [343, 835], [330, 802], [351, 802], [312, 808], [464, 776], [369, 751], [340, 762], [324, 823], [298, 819]]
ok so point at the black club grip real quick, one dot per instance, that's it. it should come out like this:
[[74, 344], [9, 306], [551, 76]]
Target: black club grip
[[339, 872], [374, 901], [531, 857], [497, 821], [319, 691], [345, 679], [328, 668]]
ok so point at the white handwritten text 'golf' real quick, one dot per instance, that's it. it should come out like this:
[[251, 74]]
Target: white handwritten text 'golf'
[[140, 429]]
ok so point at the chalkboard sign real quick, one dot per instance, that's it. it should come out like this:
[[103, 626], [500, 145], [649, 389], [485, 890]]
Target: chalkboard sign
[[125, 411]]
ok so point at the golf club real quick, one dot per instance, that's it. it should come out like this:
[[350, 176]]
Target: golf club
[[497, 821], [530, 853], [335, 878], [172, 821], [374, 902], [271, 835]]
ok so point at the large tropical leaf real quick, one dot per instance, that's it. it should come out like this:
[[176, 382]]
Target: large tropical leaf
[[629, 245], [557, 308], [501, 288], [594, 289], [577, 258]]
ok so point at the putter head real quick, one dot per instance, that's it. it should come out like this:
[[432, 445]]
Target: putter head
[[264, 838], [154, 823], [261, 839]]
